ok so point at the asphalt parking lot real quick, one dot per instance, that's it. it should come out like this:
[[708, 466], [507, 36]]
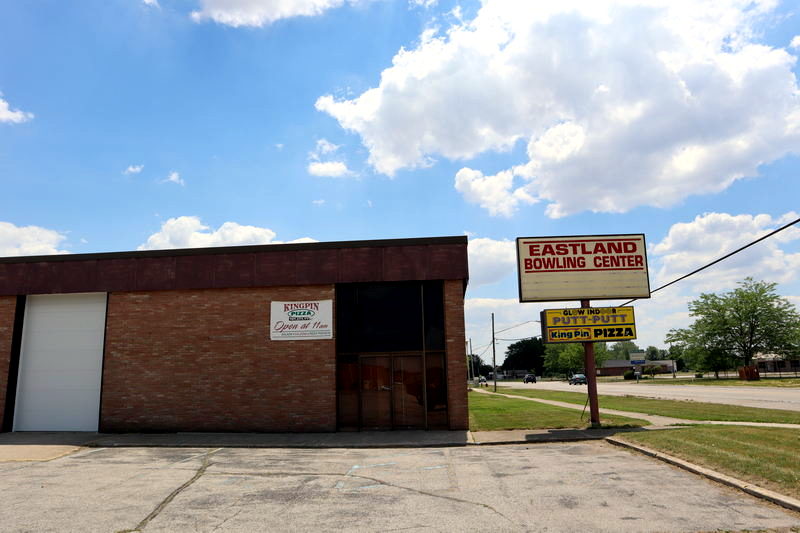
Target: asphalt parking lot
[[583, 486]]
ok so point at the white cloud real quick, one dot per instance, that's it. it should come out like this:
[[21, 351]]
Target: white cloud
[[190, 232], [323, 147], [13, 116], [29, 240], [493, 193], [133, 169], [691, 245], [259, 12], [490, 260], [175, 177], [329, 169], [795, 42], [630, 102], [318, 202], [423, 3], [508, 312], [151, 3]]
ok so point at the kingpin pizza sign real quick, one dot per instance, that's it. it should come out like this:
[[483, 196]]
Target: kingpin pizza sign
[[584, 267], [305, 320]]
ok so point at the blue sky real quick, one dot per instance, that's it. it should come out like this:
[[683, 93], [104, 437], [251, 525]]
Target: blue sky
[[131, 124]]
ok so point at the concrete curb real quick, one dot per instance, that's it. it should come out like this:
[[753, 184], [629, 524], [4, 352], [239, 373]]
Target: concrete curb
[[753, 490]]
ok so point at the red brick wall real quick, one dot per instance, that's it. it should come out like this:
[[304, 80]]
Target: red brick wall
[[456, 354], [201, 360], [8, 306]]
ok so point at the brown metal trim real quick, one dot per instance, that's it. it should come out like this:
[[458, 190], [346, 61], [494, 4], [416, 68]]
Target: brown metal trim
[[289, 247]]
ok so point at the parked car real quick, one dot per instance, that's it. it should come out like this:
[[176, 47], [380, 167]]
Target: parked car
[[578, 379], [529, 378]]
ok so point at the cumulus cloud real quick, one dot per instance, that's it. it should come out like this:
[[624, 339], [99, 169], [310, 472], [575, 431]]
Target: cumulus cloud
[[689, 245], [629, 102], [259, 12], [795, 42], [493, 193], [133, 169], [29, 240], [490, 260], [151, 3], [190, 232], [175, 177], [13, 116], [327, 169]]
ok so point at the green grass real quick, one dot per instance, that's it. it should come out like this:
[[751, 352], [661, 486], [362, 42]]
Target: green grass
[[675, 408], [767, 457], [725, 382], [490, 413]]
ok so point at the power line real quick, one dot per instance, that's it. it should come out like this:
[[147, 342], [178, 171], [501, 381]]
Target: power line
[[518, 325], [693, 272]]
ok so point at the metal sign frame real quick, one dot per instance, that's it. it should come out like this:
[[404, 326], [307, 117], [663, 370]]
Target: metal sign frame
[[585, 273]]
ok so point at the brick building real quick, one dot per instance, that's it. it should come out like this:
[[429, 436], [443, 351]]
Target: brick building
[[181, 340]]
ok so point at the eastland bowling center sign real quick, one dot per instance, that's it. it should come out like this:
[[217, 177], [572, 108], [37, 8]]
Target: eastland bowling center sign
[[588, 267]]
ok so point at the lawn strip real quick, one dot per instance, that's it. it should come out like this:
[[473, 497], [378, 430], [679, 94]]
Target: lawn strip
[[488, 412], [686, 409], [726, 382], [741, 452]]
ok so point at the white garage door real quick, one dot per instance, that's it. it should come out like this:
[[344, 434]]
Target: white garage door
[[60, 367]]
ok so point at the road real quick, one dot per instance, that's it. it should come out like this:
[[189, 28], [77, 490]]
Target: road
[[764, 397], [475, 488]]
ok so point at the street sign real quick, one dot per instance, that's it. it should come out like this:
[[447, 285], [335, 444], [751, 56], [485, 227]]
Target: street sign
[[588, 324], [637, 361], [585, 267]]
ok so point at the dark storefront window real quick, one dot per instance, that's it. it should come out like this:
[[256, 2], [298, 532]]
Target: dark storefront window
[[390, 343]]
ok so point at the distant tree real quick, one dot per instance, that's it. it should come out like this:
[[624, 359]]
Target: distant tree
[[709, 360], [568, 358], [652, 353], [675, 352], [527, 354], [479, 367], [748, 320], [622, 349], [652, 370]]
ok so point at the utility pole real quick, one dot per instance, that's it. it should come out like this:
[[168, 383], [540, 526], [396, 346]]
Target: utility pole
[[471, 372], [494, 357], [591, 376]]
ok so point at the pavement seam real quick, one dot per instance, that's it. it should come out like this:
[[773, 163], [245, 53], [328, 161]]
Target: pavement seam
[[166, 501], [349, 474], [753, 490]]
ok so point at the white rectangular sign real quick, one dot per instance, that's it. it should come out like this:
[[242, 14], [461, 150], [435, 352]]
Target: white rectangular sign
[[302, 320], [584, 267]]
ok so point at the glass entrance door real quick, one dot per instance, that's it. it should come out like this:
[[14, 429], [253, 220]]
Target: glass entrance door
[[376, 392], [408, 394], [392, 392]]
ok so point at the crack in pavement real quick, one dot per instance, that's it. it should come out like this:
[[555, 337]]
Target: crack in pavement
[[376, 480], [166, 501]]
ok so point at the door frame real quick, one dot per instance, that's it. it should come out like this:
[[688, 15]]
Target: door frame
[[392, 356]]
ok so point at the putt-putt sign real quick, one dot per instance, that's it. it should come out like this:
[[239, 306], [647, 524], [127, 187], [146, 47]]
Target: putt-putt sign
[[306, 320], [588, 324], [582, 268]]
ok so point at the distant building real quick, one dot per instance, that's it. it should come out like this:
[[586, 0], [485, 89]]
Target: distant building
[[617, 367], [776, 363]]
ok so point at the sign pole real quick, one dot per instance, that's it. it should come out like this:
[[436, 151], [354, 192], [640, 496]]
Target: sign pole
[[591, 377]]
